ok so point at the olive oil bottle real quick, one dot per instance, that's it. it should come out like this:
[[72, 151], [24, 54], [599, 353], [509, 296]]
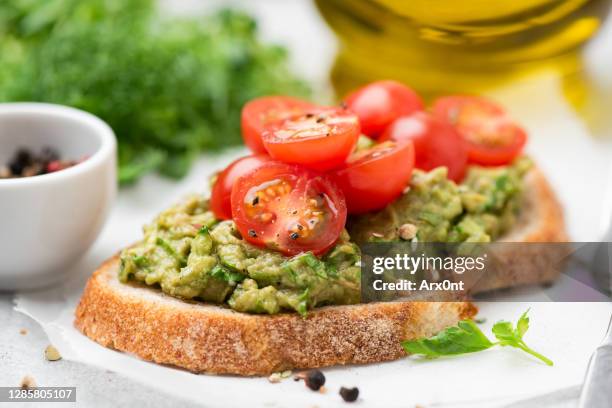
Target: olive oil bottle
[[451, 46]]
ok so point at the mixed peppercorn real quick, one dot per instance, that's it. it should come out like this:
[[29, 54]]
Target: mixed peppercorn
[[26, 163], [315, 380]]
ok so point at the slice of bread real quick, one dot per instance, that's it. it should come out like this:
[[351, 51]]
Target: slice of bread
[[215, 339], [209, 338]]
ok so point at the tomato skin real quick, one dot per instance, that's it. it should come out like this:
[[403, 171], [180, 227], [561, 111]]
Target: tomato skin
[[221, 192], [373, 178], [261, 111], [436, 143], [321, 139], [491, 137], [498, 157], [288, 208], [380, 103], [336, 204]]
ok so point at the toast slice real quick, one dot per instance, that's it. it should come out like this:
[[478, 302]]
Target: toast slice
[[209, 338], [215, 339]]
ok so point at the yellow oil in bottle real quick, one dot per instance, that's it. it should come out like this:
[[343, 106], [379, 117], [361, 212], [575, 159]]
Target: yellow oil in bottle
[[451, 46]]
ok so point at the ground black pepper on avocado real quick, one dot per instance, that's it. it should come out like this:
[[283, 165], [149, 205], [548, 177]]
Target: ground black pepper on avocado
[[191, 255]]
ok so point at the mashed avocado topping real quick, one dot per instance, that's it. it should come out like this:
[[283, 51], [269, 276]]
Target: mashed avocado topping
[[189, 254], [480, 209]]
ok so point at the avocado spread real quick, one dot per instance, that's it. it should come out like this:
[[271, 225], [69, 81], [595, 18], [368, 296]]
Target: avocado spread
[[191, 255], [480, 209]]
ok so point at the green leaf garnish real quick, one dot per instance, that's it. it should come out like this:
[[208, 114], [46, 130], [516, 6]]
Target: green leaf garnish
[[466, 337], [513, 337]]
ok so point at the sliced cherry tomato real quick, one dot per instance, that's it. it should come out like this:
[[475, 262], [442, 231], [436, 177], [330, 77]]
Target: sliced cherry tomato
[[259, 112], [380, 103], [374, 177], [321, 139], [492, 137], [288, 208], [436, 143], [220, 198]]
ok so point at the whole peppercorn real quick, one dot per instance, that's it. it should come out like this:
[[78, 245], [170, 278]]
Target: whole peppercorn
[[20, 161], [314, 380], [349, 394]]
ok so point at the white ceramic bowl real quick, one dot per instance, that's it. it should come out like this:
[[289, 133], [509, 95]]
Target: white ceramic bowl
[[47, 222]]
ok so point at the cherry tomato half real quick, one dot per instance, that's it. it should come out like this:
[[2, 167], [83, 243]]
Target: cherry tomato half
[[321, 139], [374, 177], [288, 208], [436, 143], [380, 103], [259, 112], [492, 138], [220, 197]]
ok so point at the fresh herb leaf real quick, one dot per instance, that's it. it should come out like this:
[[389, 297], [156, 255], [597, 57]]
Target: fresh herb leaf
[[523, 324], [302, 307], [165, 245], [315, 264], [141, 261], [293, 265], [509, 336], [311, 260], [504, 331], [227, 275], [288, 270], [466, 337]]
